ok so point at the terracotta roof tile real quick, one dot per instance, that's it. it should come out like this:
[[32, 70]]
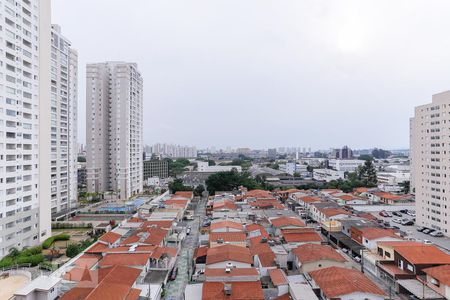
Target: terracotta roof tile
[[239, 291], [228, 252], [278, 277], [124, 259], [441, 273], [372, 233], [336, 282], [287, 221], [226, 224], [312, 252], [303, 237], [110, 237], [227, 236]]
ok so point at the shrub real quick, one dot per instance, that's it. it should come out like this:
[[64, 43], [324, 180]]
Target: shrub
[[34, 260], [60, 237], [6, 262], [73, 250]]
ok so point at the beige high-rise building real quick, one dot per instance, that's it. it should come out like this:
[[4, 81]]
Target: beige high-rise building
[[114, 128], [64, 146], [430, 163], [24, 123]]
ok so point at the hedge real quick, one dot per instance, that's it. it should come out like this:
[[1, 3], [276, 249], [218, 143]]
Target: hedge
[[60, 237], [34, 260]]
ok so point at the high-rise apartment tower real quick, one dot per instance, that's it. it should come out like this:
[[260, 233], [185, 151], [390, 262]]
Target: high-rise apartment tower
[[114, 128]]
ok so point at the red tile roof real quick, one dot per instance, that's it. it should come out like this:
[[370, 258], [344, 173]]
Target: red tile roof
[[224, 204], [287, 221], [264, 252], [227, 236], [441, 273], [125, 259], [255, 227], [312, 252], [278, 277], [226, 224], [228, 252], [372, 233], [159, 224], [110, 237], [331, 212], [423, 254], [239, 291], [97, 248], [303, 237], [258, 194], [200, 251], [87, 260], [336, 282]]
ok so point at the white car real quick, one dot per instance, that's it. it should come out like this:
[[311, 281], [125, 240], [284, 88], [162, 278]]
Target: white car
[[397, 220], [437, 234], [427, 242], [411, 213]]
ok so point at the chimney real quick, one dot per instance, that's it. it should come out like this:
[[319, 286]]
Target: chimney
[[227, 289]]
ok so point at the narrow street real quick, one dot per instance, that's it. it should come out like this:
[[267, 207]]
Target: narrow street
[[175, 289]]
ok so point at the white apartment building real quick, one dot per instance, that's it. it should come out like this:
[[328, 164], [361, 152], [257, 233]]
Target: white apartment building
[[25, 38], [114, 128], [430, 165], [345, 165], [172, 151], [64, 98], [203, 166], [327, 175]]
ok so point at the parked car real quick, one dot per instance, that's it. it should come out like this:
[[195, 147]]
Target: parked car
[[408, 223], [437, 234], [427, 242], [411, 213], [173, 274], [397, 213], [188, 231], [386, 223], [384, 213], [420, 228], [403, 211], [397, 220], [428, 231]]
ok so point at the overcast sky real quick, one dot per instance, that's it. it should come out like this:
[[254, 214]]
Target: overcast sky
[[256, 73]]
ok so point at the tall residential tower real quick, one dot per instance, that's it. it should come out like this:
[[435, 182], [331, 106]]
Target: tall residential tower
[[114, 128], [430, 165], [24, 123], [64, 146]]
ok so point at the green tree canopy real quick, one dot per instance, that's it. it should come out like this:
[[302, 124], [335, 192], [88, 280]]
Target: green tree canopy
[[228, 181]]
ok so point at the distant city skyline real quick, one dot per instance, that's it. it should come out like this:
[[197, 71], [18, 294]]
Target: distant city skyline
[[309, 72]]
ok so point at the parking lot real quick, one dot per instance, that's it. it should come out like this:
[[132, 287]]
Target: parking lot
[[442, 242]]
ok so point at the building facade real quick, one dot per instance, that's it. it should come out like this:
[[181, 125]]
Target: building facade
[[114, 93], [24, 124], [156, 168], [64, 100], [430, 144]]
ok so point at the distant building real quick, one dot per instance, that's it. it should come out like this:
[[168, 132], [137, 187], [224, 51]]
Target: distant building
[[343, 153], [171, 150], [272, 153], [81, 174], [327, 175], [430, 164], [346, 165], [156, 168], [203, 166]]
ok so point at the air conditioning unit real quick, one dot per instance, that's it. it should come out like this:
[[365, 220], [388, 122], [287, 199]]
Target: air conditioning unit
[[227, 270], [227, 289]]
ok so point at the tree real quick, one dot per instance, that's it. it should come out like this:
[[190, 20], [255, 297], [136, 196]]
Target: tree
[[199, 189], [406, 186], [367, 173], [365, 157], [296, 174], [309, 168], [178, 186], [211, 162], [231, 180], [380, 153], [73, 250]]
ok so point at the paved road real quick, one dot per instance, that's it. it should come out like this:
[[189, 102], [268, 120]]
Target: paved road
[[443, 242], [175, 289]]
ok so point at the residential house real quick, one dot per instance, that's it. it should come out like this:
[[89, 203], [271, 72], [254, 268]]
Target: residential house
[[312, 257]]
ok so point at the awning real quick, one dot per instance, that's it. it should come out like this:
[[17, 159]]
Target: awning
[[419, 289]]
